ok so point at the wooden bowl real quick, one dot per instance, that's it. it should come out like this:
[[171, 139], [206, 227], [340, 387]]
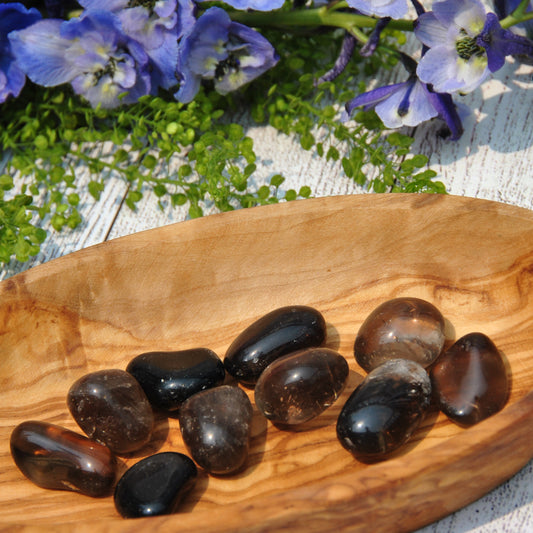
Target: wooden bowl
[[201, 282]]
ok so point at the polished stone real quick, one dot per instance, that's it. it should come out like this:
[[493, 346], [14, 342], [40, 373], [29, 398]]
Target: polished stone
[[53, 457], [169, 378], [405, 328], [470, 380], [111, 407], [298, 387], [155, 485], [384, 410], [278, 333], [215, 425]]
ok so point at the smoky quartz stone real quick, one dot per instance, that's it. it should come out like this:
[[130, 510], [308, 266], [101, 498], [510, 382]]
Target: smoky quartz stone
[[470, 380], [54, 457], [169, 378], [111, 407], [384, 410], [278, 333], [402, 328], [298, 387], [155, 486], [215, 425]]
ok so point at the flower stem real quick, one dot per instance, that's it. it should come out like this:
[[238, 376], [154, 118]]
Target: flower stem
[[517, 16], [322, 16]]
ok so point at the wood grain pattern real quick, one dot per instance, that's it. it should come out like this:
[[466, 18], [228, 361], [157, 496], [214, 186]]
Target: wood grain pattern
[[201, 282]]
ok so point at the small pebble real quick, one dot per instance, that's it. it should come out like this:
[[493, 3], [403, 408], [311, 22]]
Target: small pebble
[[278, 333], [111, 407], [470, 380], [169, 378], [215, 425], [384, 410], [155, 485], [53, 457], [298, 387], [402, 328]]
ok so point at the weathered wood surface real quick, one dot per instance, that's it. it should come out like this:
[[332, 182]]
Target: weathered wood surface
[[208, 279], [493, 160]]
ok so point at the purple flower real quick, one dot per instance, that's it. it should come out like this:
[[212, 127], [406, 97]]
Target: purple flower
[[90, 52], [409, 104], [256, 5], [157, 25], [226, 52], [506, 7], [465, 45], [395, 9], [12, 17]]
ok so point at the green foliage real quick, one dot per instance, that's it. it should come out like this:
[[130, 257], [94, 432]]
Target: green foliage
[[371, 156], [192, 154]]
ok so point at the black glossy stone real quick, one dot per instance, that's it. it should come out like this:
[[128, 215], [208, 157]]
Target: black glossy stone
[[169, 378], [401, 328], [111, 407], [470, 380], [155, 485], [53, 457], [299, 386], [278, 333], [384, 410], [215, 425]]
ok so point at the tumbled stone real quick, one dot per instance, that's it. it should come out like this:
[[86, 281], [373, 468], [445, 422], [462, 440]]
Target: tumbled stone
[[155, 485], [111, 407], [470, 380], [278, 333], [402, 328], [299, 386], [384, 410], [54, 457], [169, 378], [215, 425]]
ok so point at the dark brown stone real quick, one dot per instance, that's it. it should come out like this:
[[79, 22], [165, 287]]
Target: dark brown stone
[[402, 328], [470, 380], [278, 333], [384, 410], [169, 378], [298, 387], [111, 407], [155, 485], [53, 457], [215, 425]]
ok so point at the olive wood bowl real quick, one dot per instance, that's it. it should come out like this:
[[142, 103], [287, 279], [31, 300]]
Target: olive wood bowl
[[201, 282]]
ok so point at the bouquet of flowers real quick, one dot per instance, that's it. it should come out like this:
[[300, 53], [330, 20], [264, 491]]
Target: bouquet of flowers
[[165, 78]]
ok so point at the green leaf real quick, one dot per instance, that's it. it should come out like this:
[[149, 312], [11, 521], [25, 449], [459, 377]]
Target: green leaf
[[290, 195], [276, 180], [149, 161]]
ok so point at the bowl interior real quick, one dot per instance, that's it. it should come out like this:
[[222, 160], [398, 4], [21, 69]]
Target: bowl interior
[[200, 283]]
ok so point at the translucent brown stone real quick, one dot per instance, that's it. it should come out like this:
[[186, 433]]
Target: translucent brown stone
[[155, 485], [215, 425], [53, 457], [169, 378], [404, 328], [298, 387], [384, 410], [470, 380], [278, 333], [111, 407]]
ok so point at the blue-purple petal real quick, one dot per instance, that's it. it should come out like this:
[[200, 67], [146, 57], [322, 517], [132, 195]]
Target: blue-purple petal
[[500, 43], [373, 97], [447, 110], [48, 67], [256, 5], [13, 16], [395, 9]]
